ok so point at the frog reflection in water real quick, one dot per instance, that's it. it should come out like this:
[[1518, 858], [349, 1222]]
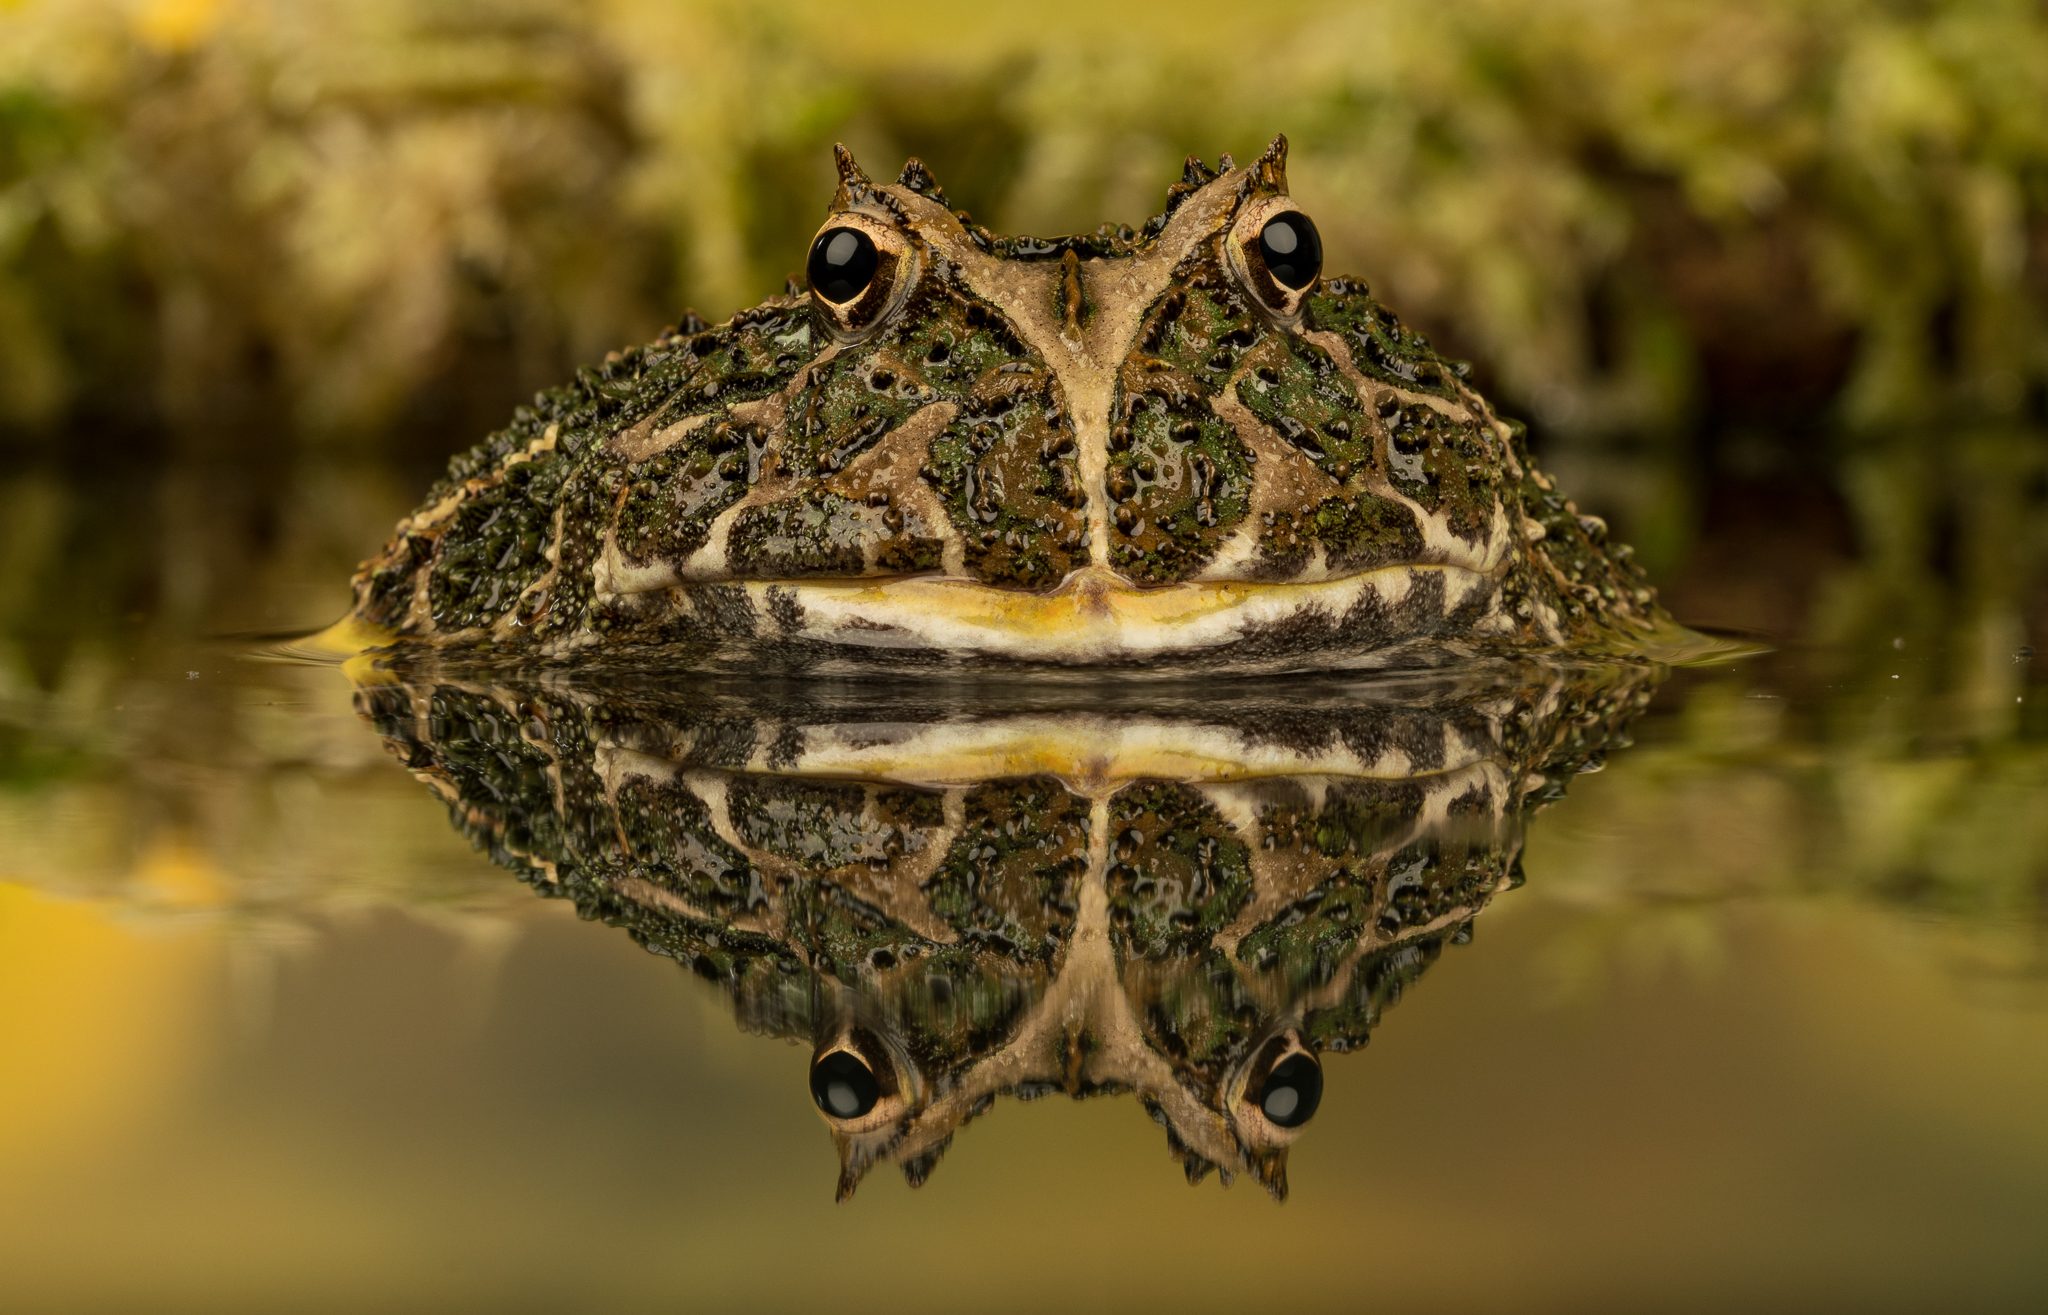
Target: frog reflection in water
[[1180, 444], [1193, 898]]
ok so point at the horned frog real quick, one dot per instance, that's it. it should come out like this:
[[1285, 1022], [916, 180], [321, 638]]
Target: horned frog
[[1179, 444]]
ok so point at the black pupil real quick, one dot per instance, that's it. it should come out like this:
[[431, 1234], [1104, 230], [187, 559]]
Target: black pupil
[[1293, 1091], [843, 263], [843, 1086], [1292, 249]]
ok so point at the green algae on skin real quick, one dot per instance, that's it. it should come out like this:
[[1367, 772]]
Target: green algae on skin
[[1141, 447]]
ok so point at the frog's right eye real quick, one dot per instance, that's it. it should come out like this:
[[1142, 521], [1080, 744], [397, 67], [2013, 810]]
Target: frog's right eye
[[843, 263], [855, 270]]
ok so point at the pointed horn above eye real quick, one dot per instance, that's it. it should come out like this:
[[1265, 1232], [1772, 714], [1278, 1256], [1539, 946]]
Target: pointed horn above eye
[[917, 176], [850, 173], [1194, 176], [1272, 166], [853, 183]]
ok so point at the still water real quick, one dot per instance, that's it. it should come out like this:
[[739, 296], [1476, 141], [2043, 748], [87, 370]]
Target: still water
[[332, 989]]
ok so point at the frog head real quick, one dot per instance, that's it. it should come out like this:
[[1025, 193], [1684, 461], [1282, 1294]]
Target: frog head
[[1182, 442]]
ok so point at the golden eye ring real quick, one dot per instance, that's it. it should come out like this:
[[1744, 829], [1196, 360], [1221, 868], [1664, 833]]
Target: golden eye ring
[[859, 271], [1277, 253], [844, 261], [856, 1081], [1278, 1088], [843, 1086]]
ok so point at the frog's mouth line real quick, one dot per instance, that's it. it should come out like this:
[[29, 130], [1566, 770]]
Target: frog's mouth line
[[1096, 615], [1096, 618]]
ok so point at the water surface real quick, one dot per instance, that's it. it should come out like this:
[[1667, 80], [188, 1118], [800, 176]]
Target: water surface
[[1734, 987]]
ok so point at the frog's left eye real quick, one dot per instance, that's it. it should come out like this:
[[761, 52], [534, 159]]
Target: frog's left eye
[[856, 268], [1277, 252]]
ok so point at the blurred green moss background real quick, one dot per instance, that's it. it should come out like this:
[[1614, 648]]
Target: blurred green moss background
[[252, 222], [1769, 277]]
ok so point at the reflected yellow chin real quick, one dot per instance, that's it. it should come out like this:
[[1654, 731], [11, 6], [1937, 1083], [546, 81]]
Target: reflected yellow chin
[[344, 639], [348, 641]]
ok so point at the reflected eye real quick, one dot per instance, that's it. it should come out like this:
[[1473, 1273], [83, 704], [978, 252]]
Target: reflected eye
[[843, 264], [844, 1086], [1291, 249], [1292, 1091]]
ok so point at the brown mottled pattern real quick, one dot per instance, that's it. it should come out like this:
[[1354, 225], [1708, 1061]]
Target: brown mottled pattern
[[1009, 412]]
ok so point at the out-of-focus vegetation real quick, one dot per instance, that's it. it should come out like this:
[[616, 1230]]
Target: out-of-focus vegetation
[[265, 219]]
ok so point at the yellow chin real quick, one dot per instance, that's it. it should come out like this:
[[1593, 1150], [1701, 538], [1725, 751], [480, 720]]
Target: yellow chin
[[1094, 615], [349, 641]]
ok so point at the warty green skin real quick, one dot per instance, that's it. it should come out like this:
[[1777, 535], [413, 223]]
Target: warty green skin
[[1130, 413], [894, 871]]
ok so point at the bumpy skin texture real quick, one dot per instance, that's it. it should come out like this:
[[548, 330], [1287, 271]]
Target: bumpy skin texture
[[1018, 899], [1142, 427]]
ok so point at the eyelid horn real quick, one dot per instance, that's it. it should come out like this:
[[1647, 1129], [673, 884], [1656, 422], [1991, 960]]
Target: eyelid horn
[[1270, 169]]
